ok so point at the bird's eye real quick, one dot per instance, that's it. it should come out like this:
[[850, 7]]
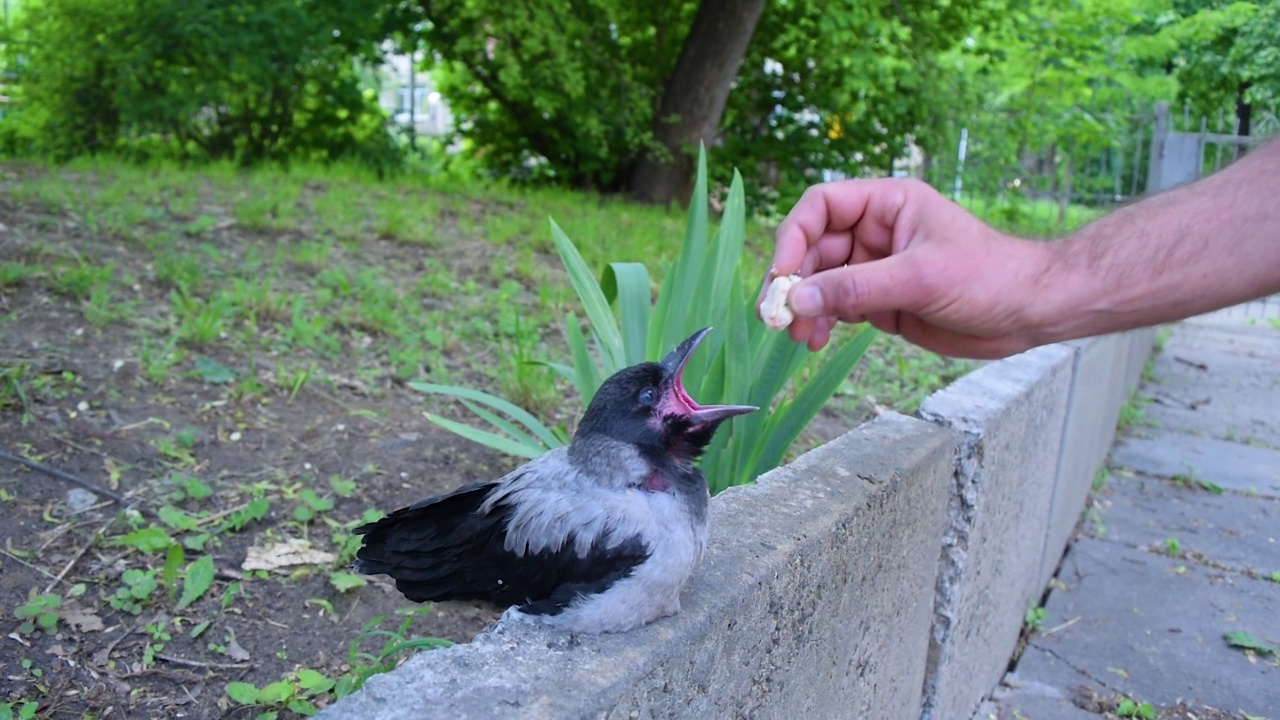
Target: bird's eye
[[648, 396]]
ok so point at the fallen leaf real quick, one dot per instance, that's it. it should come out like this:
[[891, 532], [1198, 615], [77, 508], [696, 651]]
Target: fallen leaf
[[285, 554], [234, 651], [82, 621]]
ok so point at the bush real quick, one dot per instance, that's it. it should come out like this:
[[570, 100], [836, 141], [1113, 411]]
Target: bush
[[741, 362], [197, 79]]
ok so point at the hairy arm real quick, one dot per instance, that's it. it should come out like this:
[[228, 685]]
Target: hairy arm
[[900, 256], [1196, 248]]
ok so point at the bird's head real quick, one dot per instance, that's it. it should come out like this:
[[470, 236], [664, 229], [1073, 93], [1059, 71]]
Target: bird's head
[[646, 405]]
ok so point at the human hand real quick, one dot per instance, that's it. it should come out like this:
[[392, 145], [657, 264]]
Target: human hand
[[900, 256]]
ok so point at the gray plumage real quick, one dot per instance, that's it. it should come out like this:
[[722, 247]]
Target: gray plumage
[[600, 535]]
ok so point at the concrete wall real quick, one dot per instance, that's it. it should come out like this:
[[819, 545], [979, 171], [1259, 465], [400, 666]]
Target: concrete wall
[[1008, 419], [883, 575]]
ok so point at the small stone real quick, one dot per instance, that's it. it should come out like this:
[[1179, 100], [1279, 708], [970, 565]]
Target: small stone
[[79, 500]]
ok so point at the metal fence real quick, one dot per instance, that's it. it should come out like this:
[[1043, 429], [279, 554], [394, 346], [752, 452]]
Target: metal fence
[[1187, 150], [1048, 190]]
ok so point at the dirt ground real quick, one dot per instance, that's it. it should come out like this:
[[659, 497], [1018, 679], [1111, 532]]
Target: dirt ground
[[87, 412], [197, 459]]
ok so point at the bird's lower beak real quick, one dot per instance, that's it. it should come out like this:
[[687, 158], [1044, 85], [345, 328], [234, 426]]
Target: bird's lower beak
[[678, 401]]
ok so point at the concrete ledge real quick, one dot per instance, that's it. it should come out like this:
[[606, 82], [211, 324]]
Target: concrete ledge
[[1098, 390], [1009, 418], [883, 575], [815, 601]]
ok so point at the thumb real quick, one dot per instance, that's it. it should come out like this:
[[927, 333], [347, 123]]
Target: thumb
[[855, 290]]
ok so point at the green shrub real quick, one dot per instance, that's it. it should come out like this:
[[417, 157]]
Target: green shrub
[[741, 362]]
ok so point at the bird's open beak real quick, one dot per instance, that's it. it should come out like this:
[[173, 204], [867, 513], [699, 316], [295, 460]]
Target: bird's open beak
[[677, 400]]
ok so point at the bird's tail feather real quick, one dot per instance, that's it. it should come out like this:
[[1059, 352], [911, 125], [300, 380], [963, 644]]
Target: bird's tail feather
[[426, 542]]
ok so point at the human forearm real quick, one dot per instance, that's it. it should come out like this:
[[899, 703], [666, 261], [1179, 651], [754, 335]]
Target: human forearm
[[1200, 247]]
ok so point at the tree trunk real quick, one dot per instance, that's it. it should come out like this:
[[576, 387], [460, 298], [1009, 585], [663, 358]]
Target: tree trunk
[[694, 100], [1244, 111]]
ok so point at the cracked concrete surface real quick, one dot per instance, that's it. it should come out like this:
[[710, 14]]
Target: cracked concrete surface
[[1177, 550]]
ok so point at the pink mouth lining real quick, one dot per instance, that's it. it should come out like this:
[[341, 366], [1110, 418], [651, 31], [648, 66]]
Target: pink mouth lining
[[680, 396]]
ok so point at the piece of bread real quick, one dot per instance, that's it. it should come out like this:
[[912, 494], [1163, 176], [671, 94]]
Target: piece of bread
[[775, 312]]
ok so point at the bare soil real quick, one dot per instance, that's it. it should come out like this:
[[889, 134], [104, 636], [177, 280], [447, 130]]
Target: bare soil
[[78, 399], [88, 412]]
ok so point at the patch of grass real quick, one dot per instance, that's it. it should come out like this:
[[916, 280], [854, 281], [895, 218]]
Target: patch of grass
[[899, 375], [201, 321], [300, 690], [103, 307], [40, 611], [13, 387], [1020, 215], [1134, 411], [20, 709], [79, 280], [13, 274], [1149, 370], [1127, 708], [1162, 338], [181, 271], [1034, 618], [158, 361], [1190, 477], [270, 202]]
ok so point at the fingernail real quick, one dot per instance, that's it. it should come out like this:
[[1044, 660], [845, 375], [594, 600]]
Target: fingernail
[[807, 301]]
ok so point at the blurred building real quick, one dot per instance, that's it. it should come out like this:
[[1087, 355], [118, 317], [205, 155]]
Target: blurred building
[[411, 98]]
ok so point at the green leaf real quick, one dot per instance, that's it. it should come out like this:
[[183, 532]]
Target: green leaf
[[243, 692], [787, 422], [198, 629], [302, 707], [308, 678], [196, 488], [515, 412], [198, 580], [505, 426], [276, 692], [1245, 641], [149, 539], [599, 315], [587, 376], [345, 581], [346, 685], [169, 573], [679, 287], [177, 519], [1210, 486], [213, 372], [488, 439], [627, 286]]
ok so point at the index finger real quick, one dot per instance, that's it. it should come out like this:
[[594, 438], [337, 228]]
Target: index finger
[[822, 209]]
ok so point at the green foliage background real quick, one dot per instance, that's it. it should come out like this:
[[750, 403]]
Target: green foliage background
[[196, 79], [566, 94]]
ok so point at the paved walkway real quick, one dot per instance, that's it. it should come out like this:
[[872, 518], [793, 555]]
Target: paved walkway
[[1180, 546]]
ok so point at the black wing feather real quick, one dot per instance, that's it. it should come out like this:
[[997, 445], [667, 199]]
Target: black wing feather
[[443, 548]]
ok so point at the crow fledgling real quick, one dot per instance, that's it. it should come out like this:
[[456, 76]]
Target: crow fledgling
[[597, 536]]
